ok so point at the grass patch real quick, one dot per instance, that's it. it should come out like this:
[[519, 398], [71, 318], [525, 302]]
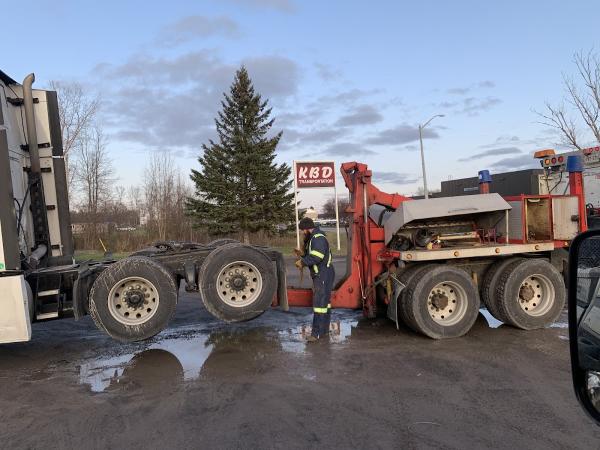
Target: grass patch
[[282, 243], [96, 255]]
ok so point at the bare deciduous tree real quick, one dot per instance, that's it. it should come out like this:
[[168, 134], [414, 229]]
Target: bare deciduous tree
[[584, 99], [94, 172], [329, 208], [165, 192], [77, 111]]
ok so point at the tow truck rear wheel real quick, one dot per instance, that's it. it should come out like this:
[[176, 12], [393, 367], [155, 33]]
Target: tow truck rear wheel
[[405, 277], [237, 282], [490, 284], [530, 294], [441, 302], [133, 299]]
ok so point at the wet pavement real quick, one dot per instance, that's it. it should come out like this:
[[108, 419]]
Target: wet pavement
[[205, 384]]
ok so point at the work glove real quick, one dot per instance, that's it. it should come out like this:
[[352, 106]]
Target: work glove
[[298, 252], [299, 264]]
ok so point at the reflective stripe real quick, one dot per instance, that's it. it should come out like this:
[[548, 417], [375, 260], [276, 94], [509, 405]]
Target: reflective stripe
[[320, 310], [317, 254]]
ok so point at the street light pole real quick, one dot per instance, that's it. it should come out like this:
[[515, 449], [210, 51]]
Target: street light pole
[[425, 191], [421, 127]]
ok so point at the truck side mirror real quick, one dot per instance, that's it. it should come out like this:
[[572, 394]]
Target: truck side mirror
[[584, 320]]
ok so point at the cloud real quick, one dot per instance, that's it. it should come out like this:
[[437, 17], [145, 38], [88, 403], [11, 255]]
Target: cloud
[[273, 75], [290, 118], [402, 134], [279, 5], [471, 106], [313, 136], [343, 98], [362, 115], [192, 27], [348, 149], [525, 161], [459, 91], [326, 72], [486, 84], [171, 103], [394, 177], [492, 152]]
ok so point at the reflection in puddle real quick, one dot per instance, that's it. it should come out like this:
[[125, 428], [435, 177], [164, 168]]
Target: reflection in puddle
[[294, 339], [182, 354], [180, 357]]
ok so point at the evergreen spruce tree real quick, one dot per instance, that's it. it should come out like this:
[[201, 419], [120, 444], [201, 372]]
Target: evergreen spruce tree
[[239, 188]]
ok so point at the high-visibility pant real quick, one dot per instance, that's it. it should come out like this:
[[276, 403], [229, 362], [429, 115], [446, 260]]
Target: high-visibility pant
[[322, 286]]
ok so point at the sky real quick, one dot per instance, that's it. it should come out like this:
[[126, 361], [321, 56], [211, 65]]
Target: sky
[[347, 80]]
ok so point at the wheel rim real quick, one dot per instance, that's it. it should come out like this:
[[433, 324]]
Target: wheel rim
[[447, 303], [536, 295], [133, 301], [239, 284]]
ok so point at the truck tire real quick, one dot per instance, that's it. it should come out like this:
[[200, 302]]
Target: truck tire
[[223, 241], [530, 294], [490, 283], [237, 282], [441, 302], [405, 277], [133, 299]]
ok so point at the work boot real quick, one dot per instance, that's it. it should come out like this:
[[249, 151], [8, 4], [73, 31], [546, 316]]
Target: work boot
[[312, 338]]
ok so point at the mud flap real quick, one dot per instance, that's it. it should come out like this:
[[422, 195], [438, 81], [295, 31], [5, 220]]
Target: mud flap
[[281, 282], [392, 309]]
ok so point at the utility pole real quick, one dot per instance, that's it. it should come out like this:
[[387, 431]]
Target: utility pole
[[421, 127]]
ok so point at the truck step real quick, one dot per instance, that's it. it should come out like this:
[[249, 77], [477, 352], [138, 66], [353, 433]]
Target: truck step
[[48, 293], [48, 315]]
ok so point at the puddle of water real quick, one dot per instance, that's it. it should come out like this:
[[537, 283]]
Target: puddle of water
[[559, 325], [293, 340], [181, 357]]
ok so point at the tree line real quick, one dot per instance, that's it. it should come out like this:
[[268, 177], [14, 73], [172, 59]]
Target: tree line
[[238, 191]]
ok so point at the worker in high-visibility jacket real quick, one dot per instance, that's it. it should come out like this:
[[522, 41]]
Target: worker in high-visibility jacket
[[316, 255]]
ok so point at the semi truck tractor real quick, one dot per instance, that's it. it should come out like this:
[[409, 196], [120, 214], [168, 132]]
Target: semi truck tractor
[[428, 264]]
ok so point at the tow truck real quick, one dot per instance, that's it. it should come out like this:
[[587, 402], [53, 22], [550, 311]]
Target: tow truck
[[556, 183], [429, 264]]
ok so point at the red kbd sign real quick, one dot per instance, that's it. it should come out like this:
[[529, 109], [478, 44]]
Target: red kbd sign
[[315, 174]]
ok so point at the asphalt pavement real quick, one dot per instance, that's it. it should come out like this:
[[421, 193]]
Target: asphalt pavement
[[206, 384]]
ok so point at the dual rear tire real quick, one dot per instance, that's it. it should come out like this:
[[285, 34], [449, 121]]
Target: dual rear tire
[[439, 301], [525, 293], [442, 301]]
